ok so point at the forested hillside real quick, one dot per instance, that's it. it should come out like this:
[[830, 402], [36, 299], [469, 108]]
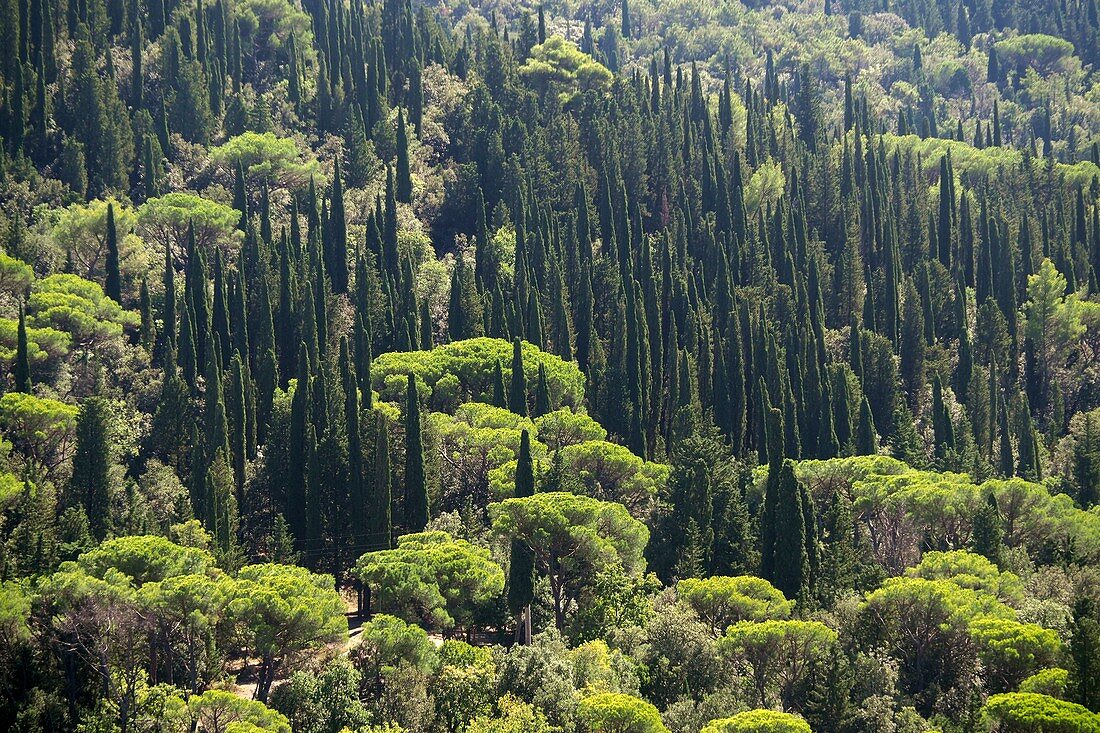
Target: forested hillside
[[599, 366]]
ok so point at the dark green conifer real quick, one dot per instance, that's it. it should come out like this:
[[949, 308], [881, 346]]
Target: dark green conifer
[[91, 484], [379, 529], [113, 285], [403, 190], [21, 371], [521, 570], [416, 485], [517, 394]]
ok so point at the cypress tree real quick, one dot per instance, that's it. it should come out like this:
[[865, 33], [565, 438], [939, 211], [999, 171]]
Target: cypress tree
[[1086, 463], [236, 410], [542, 394], [773, 438], [90, 483], [809, 522], [403, 191], [987, 531], [499, 396], [359, 513], [427, 335], [336, 251], [521, 570], [113, 285], [866, 440], [364, 356], [942, 428], [267, 379], [791, 560], [1084, 655], [842, 408], [380, 528], [168, 312], [1027, 465], [456, 316], [1006, 463], [297, 463], [21, 371], [148, 328], [517, 394], [240, 195], [416, 485], [188, 354]]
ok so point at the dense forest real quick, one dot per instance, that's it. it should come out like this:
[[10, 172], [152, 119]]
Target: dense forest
[[593, 366]]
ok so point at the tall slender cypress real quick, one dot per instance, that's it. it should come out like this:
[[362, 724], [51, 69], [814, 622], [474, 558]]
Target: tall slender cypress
[[380, 525], [521, 570], [416, 484], [404, 176], [113, 284], [21, 372], [517, 395]]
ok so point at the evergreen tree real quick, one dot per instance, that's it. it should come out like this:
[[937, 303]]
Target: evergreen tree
[[21, 371], [403, 190], [521, 569], [148, 327], [542, 394], [101, 123], [1086, 462], [416, 485], [90, 485], [866, 439], [1084, 655], [113, 286], [336, 243], [517, 394], [987, 531], [943, 428], [792, 563], [499, 395], [380, 526]]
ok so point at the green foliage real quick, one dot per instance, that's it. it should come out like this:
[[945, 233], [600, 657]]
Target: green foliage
[[78, 307], [1014, 712], [267, 158], [614, 712], [433, 579], [220, 710], [557, 65], [758, 721], [471, 362], [1051, 682], [967, 570], [1011, 650], [512, 715], [282, 611], [40, 428], [388, 641], [79, 232], [723, 601], [324, 702], [146, 559], [777, 655], [610, 472], [165, 220], [573, 537], [1045, 54], [564, 427]]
